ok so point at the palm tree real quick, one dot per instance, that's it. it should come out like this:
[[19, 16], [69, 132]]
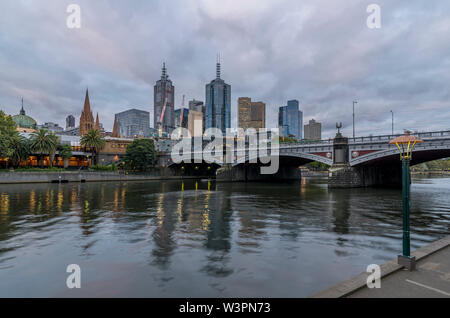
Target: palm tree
[[20, 150], [65, 152], [43, 143], [94, 141]]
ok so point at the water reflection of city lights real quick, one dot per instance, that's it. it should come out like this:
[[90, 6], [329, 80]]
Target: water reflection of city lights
[[4, 205], [160, 209], [60, 200], [205, 216], [32, 201]]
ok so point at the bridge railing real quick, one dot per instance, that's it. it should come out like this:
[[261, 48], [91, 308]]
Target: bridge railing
[[431, 134]]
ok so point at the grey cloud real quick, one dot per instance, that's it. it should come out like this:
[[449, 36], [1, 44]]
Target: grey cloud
[[319, 52]]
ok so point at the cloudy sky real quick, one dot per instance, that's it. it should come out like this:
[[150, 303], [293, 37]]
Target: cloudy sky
[[317, 51]]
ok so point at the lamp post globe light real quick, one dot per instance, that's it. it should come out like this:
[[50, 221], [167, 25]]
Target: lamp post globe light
[[405, 145]]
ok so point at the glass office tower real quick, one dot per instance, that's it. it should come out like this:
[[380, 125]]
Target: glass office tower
[[218, 103], [290, 120]]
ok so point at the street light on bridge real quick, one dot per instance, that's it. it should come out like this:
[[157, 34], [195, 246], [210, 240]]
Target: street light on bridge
[[392, 122], [354, 102], [405, 145]]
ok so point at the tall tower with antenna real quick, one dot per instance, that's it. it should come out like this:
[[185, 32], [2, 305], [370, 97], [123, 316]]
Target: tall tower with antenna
[[164, 101], [218, 102]]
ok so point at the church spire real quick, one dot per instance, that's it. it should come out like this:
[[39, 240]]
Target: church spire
[[87, 104], [115, 132], [86, 119], [22, 111], [97, 123]]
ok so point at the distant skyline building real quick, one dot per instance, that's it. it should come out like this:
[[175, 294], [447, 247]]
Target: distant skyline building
[[181, 117], [196, 105], [251, 114], [131, 123], [313, 130], [195, 118], [74, 131], [164, 89], [196, 114], [290, 120], [218, 103], [52, 127], [70, 122]]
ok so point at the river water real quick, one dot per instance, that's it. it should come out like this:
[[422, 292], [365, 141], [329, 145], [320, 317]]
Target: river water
[[205, 239]]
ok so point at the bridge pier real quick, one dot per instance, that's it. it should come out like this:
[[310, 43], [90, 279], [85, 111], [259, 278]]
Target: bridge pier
[[251, 172], [343, 175]]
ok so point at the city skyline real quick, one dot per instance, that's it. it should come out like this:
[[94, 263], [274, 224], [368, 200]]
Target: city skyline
[[293, 59]]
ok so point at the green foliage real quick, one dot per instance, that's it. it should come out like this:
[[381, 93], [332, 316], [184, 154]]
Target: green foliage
[[111, 167], [317, 166], [20, 147], [94, 141], [140, 155], [36, 169], [43, 143], [65, 151], [8, 135], [435, 165], [285, 140]]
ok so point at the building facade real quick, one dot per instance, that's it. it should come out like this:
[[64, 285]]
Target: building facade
[[164, 90], [131, 123], [218, 103], [195, 123], [290, 120], [313, 130], [251, 114]]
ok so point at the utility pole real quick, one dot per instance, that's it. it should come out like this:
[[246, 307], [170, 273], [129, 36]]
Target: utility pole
[[354, 102], [392, 122]]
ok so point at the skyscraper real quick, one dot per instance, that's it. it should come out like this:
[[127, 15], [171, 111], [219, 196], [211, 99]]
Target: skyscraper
[[70, 122], [313, 130], [86, 119], [218, 103], [164, 93], [251, 114], [132, 123], [290, 120]]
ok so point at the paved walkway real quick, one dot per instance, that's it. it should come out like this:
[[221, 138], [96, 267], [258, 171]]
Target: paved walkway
[[430, 279]]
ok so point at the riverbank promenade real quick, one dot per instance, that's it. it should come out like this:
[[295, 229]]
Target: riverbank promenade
[[430, 279]]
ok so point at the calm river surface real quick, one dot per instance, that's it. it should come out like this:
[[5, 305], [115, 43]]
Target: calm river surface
[[200, 239]]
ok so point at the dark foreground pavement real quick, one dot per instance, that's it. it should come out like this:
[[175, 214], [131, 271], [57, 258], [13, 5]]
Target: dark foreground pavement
[[430, 279]]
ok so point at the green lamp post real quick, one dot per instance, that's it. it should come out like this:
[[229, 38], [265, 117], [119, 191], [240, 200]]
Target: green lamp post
[[405, 145]]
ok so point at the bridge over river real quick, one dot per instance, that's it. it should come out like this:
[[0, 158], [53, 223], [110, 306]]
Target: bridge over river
[[354, 162]]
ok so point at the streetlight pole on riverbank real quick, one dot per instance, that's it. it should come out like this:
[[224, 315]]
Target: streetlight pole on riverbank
[[405, 145]]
